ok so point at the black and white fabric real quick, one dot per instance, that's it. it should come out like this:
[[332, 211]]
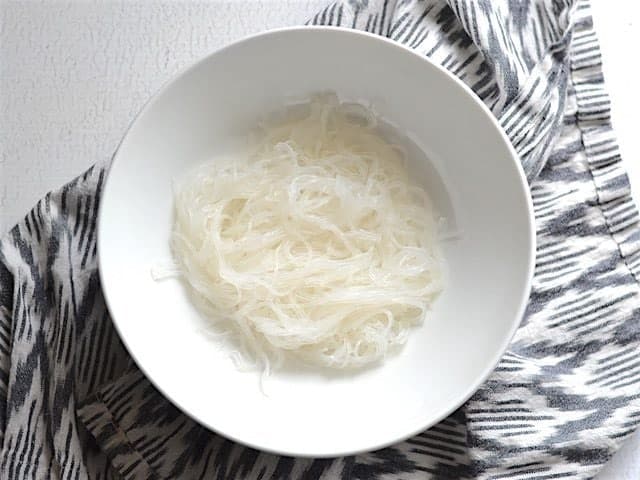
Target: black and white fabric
[[74, 406]]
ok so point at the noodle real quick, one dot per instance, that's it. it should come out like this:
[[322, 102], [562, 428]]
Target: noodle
[[314, 242]]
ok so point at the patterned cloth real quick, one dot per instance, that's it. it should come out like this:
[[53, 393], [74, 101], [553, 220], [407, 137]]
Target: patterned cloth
[[73, 405]]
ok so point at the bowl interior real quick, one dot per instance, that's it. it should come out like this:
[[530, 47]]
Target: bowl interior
[[467, 165]]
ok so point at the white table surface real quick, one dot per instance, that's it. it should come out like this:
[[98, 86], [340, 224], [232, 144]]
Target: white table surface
[[73, 74]]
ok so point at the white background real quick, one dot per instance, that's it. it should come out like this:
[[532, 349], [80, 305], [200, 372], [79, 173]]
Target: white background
[[73, 74]]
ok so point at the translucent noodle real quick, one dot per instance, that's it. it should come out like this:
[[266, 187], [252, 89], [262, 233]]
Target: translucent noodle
[[314, 242]]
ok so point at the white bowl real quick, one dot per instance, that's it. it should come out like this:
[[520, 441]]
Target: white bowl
[[470, 169]]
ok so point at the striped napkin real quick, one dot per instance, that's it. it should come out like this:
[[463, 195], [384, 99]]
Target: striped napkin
[[566, 394]]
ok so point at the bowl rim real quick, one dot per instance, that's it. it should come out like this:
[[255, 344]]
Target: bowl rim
[[524, 190]]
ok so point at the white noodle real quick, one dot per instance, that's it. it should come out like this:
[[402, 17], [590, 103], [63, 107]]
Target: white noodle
[[315, 242]]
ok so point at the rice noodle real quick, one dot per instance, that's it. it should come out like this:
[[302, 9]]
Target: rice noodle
[[313, 242]]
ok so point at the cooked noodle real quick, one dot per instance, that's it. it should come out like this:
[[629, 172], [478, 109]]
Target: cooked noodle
[[314, 242]]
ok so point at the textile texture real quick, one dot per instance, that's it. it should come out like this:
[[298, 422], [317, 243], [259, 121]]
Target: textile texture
[[73, 405]]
